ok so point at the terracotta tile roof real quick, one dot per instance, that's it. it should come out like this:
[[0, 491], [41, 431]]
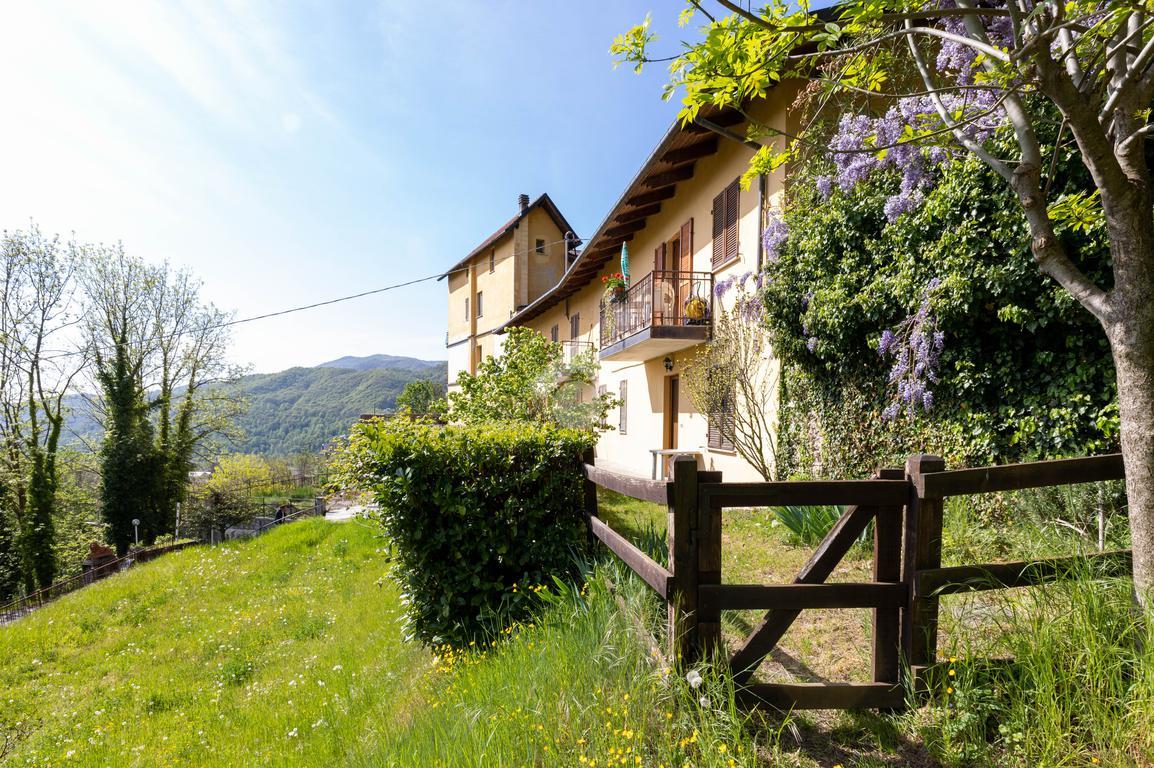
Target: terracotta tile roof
[[543, 201]]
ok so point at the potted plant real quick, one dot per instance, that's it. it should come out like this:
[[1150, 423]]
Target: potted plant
[[616, 286], [696, 310]]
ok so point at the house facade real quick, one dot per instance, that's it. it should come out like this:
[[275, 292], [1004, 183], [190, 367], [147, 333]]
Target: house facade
[[509, 270], [688, 227]]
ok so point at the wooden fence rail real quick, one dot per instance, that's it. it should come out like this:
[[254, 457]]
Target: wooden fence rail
[[905, 507]]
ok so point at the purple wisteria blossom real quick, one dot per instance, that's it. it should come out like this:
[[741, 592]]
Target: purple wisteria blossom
[[863, 145], [723, 286], [775, 235], [915, 347], [747, 302]]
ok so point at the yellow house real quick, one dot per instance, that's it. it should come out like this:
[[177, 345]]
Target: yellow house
[[508, 271], [688, 225]]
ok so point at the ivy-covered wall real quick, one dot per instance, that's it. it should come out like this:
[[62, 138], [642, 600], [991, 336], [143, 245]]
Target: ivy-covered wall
[[1023, 371]]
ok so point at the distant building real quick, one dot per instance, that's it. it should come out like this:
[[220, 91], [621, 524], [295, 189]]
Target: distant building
[[508, 271]]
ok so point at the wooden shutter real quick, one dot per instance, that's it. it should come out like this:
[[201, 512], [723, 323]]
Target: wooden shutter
[[554, 333], [623, 410], [719, 230], [659, 264], [720, 426], [714, 433], [575, 326], [686, 246], [466, 307], [732, 213], [726, 211]]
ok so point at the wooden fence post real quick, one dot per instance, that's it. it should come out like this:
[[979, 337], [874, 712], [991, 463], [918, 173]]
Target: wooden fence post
[[708, 570], [590, 495], [682, 538], [887, 622], [923, 549]]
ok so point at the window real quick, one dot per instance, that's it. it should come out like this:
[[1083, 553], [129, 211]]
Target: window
[[623, 410], [492, 261], [480, 303], [725, 215], [540, 247], [466, 308], [575, 325], [554, 333], [721, 427]]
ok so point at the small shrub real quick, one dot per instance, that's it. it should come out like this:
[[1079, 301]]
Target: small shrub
[[477, 515], [807, 524]]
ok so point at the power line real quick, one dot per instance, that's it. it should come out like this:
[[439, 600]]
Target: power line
[[305, 307]]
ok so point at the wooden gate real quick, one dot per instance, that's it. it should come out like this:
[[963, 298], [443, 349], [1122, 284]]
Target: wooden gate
[[905, 506]]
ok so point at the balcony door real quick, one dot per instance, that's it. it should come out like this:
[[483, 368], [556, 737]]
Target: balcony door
[[672, 394], [673, 259]]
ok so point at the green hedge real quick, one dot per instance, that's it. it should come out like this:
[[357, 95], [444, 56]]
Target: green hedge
[[477, 516]]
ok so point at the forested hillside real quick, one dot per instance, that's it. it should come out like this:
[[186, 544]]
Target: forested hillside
[[301, 409]]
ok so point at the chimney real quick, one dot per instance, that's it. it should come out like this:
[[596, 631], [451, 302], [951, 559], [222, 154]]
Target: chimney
[[523, 201]]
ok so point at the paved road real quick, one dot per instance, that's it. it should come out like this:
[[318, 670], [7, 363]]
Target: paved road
[[347, 513]]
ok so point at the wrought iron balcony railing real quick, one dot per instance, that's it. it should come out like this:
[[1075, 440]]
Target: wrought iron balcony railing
[[659, 299], [572, 349]]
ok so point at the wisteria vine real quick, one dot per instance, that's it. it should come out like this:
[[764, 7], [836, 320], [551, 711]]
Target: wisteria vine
[[915, 347]]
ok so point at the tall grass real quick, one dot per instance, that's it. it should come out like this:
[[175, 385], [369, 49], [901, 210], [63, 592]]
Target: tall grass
[[287, 650], [578, 688], [1074, 687]]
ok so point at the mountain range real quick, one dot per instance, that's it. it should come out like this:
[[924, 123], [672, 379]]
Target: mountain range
[[301, 409]]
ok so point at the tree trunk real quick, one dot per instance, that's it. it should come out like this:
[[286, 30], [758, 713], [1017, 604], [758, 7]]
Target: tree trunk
[[1134, 363]]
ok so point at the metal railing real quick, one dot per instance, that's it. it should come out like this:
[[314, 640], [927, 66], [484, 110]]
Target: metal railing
[[661, 298], [22, 606], [572, 349]]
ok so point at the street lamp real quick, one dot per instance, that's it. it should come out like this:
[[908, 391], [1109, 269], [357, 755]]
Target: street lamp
[[136, 530]]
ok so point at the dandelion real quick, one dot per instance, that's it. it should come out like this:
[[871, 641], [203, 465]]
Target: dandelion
[[703, 701], [694, 679]]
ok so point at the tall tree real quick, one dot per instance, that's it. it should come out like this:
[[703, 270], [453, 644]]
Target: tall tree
[[191, 340], [118, 329], [157, 349], [35, 374], [917, 81]]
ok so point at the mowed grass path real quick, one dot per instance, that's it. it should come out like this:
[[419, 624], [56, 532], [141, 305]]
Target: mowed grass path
[[273, 652]]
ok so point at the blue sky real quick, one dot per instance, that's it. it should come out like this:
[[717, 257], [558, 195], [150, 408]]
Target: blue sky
[[294, 152]]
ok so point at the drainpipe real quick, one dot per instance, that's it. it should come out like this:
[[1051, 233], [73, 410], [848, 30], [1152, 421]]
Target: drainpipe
[[760, 221]]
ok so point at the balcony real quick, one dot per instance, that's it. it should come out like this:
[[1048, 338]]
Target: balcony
[[570, 351], [661, 313]]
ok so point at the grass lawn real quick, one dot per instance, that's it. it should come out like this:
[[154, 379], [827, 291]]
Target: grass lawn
[[288, 650], [269, 652]]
